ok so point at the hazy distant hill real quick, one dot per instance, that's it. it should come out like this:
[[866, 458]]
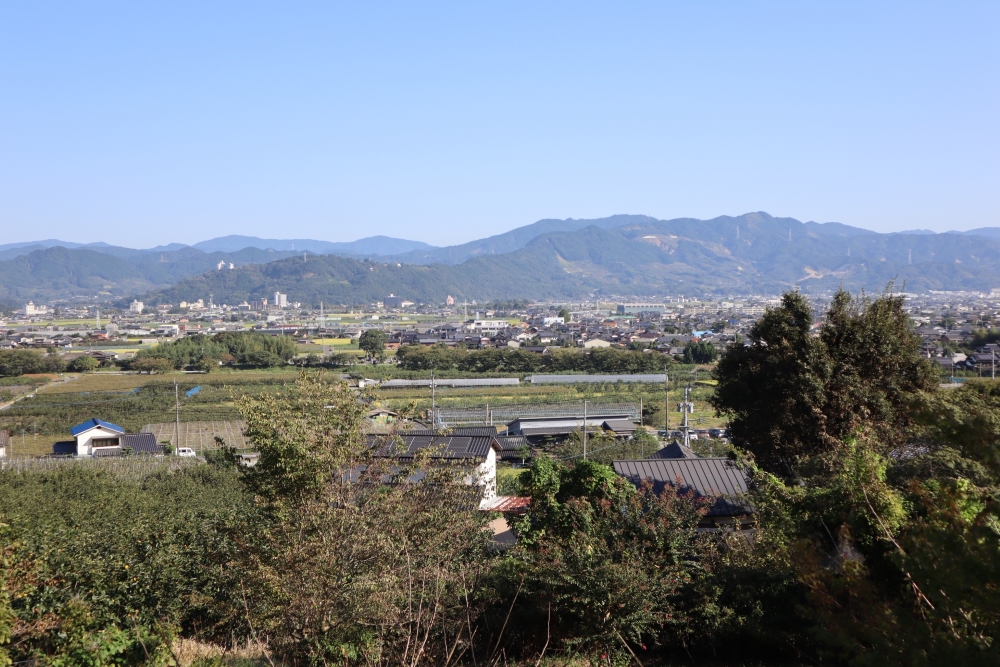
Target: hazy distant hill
[[372, 245], [644, 257], [60, 273], [615, 256]]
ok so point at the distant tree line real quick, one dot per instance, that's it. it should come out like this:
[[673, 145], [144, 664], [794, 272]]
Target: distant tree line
[[509, 360], [242, 348], [24, 362]]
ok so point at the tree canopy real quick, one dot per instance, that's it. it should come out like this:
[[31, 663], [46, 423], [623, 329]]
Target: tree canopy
[[795, 392]]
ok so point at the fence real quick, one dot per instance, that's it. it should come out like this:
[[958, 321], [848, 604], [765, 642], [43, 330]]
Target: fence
[[489, 415], [573, 379], [127, 466], [199, 435]]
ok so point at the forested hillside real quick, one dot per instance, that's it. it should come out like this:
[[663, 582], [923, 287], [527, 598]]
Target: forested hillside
[[754, 253]]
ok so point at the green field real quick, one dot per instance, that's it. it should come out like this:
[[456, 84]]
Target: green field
[[133, 401]]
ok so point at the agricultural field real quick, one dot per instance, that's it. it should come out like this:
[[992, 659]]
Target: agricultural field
[[134, 401], [199, 435], [147, 402]]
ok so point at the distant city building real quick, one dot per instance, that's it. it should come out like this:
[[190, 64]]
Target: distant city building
[[280, 300], [221, 265], [393, 301], [136, 307], [488, 326], [450, 301], [31, 309]]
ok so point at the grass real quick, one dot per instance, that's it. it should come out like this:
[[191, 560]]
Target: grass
[[58, 406]]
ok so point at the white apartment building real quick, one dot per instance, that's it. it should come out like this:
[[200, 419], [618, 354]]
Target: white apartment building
[[488, 326], [31, 309], [136, 307], [280, 300]]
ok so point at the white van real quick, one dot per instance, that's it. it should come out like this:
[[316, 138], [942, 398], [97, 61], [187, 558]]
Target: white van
[[185, 451]]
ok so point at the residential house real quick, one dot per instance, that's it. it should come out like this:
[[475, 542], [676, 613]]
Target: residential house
[[718, 481], [96, 437], [475, 454]]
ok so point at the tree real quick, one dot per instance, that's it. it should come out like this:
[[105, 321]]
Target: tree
[[151, 365], [564, 313], [373, 342], [84, 364], [791, 395], [207, 364], [699, 353], [607, 564], [360, 560]]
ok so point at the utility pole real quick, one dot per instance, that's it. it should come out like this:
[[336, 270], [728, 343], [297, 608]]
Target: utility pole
[[993, 364], [585, 429], [177, 419], [666, 401], [433, 405]]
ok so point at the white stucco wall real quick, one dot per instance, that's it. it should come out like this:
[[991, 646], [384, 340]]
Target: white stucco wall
[[487, 477], [84, 445]]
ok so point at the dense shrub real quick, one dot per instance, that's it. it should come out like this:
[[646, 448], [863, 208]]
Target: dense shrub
[[83, 364], [107, 560], [21, 362], [245, 348], [509, 360]]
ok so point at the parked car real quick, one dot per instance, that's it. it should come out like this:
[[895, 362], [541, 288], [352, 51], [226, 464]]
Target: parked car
[[185, 451]]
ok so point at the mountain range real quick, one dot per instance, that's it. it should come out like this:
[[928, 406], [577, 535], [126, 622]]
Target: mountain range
[[622, 255]]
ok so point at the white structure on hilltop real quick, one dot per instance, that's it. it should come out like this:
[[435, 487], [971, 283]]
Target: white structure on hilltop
[[136, 307], [31, 309], [280, 300], [222, 264]]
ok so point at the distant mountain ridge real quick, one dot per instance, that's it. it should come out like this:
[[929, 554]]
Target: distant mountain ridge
[[617, 256], [644, 257]]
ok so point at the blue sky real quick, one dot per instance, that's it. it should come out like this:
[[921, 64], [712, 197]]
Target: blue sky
[[146, 123]]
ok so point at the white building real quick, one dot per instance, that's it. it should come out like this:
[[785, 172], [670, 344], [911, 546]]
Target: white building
[[136, 307], [31, 309], [488, 326], [96, 434], [280, 300]]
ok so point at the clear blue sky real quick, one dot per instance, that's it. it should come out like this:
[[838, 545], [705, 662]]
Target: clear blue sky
[[142, 123]]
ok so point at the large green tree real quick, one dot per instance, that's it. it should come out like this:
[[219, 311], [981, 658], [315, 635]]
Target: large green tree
[[373, 342], [795, 392]]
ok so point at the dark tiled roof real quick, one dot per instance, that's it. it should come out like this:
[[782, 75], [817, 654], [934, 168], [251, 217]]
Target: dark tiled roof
[[620, 425], [512, 447], [445, 446], [674, 450], [142, 443], [510, 443], [107, 451], [707, 478], [474, 430]]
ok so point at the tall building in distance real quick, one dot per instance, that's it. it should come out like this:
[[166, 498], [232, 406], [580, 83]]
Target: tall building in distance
[[280, 300], [31, 309], [136, 307]]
